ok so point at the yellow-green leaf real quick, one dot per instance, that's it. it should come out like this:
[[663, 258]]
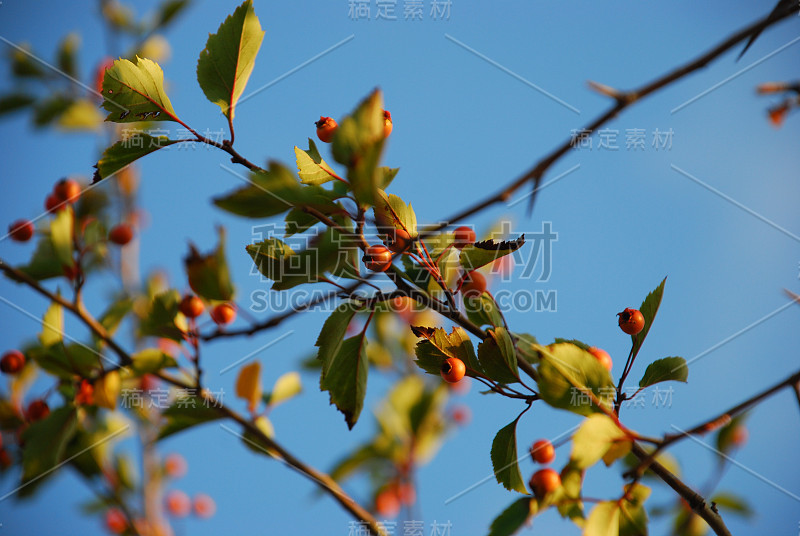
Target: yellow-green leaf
[[106, 390], [135, 92], [286, 387]]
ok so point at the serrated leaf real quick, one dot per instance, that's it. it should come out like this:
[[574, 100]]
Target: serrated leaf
[[135, 92], [46, 441], [286, 387], [225, 65], [127, 151], [498, 357], [649, 308], [150, 361], [479, 254], [603, 520], [185, 412], [159, 318], [665, 369], [333, 331], [568, 373], [248, 385], [483, 310], [52, 325], [311, 168], [208, 274], [504, 458], [393, 213], [594, 438], [346, 378], [513, 518], [61, 235]]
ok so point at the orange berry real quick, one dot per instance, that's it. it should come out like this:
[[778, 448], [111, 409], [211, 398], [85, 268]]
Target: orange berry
[[115, 521], [67, 190], [387, 123], [51, 203], [21, 230], [223, 314], [543, 451], [175, 465], [453, 370], [398, 240], [739, 436], [602, 356], [631, 321], [178, 503], [85, 394], [191, 306], [474, 284], [377, 258], [463, 236], [37, 410], [12, 362], [387, 504], [461, 414], [204, 506], [545, 481], [326, 128], [121, 234]]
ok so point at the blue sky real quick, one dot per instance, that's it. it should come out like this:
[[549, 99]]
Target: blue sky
[[716, 212]]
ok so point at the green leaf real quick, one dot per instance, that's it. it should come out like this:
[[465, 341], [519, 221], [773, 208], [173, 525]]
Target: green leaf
[[82, 115], [633, 516], [733, 502], [513, 518], [603, 520], [150, 361], [385, 176], [299, 221], [527, 346], [438, 346], [649, 308], [224, 66], [726, 436], [594, 438], [45, 442], [665, 369], [159, 319], [23, 65], [66, 54], [358, 143], [15, 101], [187, 411], [61, 234], [127, 151], [286, 387], [567, 373], [66, 361], [482, 253], [255, 442], [115, 314], [136, 92], [333, 331], [311, 168], [498, 357], [168, 10], [52, 325], [483, 310], [346, 378], [504, 458], [208, 274], [49, 109], [392, 212]]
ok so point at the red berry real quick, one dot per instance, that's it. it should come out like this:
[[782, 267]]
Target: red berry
[[52, 203], [545, 481], [223, 314], [178, 503], [67, 190], [21, 230], [453, 370], [474, 284], [115, 521], [37, 410], [387, 504], [398, 240], [463, 236], [461, 414], [121, 234], [602, 356], [12, 362], [204, 506], [543, 451], [326, 127], [70, 272], [387, 123], [175, 465], [191, 306], [85, 394], [5, 459], [377, 258], [631, 321], [406, 493]]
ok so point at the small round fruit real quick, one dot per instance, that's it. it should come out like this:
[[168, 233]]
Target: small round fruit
[[474, 284], [543, 451], [461, 414], [739, 436], [52, 203], [85, 394], [453, 370], [191, 306], [204, 506], [223, 314], [67, 190], [12, 362], [631, 321], [387, 504], [387, 123], [326, 127], [602, 356], [377, 258], [545, 481], [398, 240], [37, 410], [463, 236], [175, 465], [121, 234], [178, 503], [115, 521], [21, 230]]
